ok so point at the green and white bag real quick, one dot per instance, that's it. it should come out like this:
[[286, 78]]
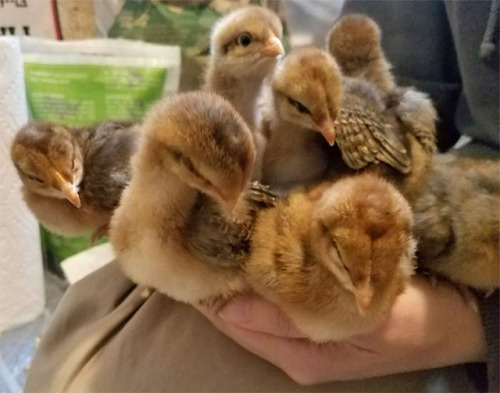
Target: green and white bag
[[78, 83]]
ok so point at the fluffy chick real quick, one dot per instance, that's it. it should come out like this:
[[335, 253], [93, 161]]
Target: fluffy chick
[[355, 43], [334, 258], [193, 163], [305, 96], [310, 102], [73, 178], [245, 46], [457, 221]]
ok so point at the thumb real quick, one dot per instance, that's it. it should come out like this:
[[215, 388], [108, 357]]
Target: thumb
[[252, 312]]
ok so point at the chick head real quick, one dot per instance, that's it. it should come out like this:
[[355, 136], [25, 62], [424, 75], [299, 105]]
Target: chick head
[[247, 42], [354, 39], [48, 161], [307, 90], [363, 228], [201, 138]]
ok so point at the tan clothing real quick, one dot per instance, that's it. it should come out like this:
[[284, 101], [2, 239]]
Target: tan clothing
[[106, 336]]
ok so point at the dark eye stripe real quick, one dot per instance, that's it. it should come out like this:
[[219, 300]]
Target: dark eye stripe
[[73, 156], [178, 156], [336, 247], [31, 177], [300, 107], [334, 244], [35, 178]]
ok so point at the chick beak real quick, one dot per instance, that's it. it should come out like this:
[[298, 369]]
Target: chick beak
[[227, 200], [273, 47], [230, 204], [326, 129], [364, 295], [69, 191]]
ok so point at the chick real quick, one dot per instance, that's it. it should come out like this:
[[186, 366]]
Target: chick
[[355, 43], [173, 230], [457, 221], [305, 96], [336, 257], [73, 178], [310, 102], [245, 46]]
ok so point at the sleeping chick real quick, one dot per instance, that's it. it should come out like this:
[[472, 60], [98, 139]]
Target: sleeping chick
[[457, 221], [355, 43], [334, 258], [193, 163], [311, 102], [245, 46], [73, 178]]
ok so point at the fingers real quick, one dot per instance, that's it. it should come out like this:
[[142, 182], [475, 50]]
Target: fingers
[[252, 312], [427, 327], [305, 362], [259, 327]]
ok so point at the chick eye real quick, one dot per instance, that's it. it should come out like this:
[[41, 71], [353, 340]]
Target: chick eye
[[301, 108], [334, 244], [337, 249], [244, 39], [36, 179]]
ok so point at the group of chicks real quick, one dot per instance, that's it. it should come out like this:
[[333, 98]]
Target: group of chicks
[[350, 153]]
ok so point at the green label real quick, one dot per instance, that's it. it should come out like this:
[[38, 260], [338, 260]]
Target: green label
[[79, 95]]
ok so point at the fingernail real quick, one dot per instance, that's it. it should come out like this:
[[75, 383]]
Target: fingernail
[[236, 311]]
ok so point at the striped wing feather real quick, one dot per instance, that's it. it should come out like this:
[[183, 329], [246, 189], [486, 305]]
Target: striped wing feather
[[364, 138]]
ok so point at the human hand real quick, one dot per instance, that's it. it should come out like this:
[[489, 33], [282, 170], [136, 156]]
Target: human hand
[[428, 327]]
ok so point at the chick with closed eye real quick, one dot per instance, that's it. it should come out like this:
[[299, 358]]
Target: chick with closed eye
[[334, 258], [73, 178], [184, 221]]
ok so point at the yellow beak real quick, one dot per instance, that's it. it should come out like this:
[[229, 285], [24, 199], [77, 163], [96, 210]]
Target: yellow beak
[[69, 191], [328, 132], [71, 195], [227, 200], [364, 294], [273, 47]]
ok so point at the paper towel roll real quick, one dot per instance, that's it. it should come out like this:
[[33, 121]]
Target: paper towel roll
[[21, 270]]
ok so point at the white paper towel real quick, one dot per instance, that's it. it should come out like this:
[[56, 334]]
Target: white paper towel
[[21, 270]]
